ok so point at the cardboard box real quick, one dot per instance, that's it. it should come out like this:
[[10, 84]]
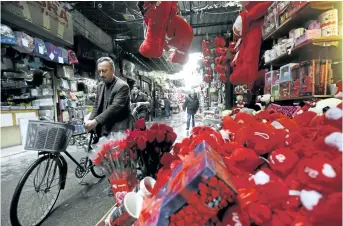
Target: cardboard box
[[284, 90], [268, 78], [285, 72], [308, 35], [275, 77], [267, 90], [295, 82], [314, 77], [204, 166], [276, 92]]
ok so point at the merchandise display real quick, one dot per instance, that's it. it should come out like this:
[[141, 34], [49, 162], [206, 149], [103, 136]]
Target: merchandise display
[[212, 174], [212, 113]]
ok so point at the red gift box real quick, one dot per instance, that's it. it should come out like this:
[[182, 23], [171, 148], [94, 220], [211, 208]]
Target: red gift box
[[198, 188]]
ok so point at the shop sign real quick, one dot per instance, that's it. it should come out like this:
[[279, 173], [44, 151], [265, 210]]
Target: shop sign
[[128, 69], [51, 16]]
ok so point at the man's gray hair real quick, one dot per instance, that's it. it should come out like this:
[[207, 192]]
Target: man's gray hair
[[106, 59]]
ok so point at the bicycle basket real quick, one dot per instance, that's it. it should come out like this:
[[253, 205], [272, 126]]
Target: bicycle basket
[[48, 136]]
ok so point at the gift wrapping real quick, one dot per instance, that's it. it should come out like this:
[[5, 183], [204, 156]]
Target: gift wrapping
[[198, 188], [121, 186]]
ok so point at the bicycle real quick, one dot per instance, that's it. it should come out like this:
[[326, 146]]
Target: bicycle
[[50, 139]]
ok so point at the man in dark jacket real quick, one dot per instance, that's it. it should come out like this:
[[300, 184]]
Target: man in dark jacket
[[138, 95], [111, 112], [192, 105]]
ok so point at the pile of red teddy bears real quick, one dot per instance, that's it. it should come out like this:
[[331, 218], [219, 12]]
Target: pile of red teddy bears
[[285, 171]]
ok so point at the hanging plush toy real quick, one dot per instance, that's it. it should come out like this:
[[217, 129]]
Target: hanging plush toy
[[206, 52], [220, 60], [207, 78], [207, 62], [222, 77], [205, 44], [180, 36], [221, 51], [219, 41], [247, 28], [156, 16], [221, 68]]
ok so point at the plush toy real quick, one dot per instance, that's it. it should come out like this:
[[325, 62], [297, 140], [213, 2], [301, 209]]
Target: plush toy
[[239, 101], [221, 68], [207, 78], [207, 62], [247, 27], [339, 93], [180, 36], [222, 77], [220, 51], [220, 60], [326, 103], [219, 41], [262, 101], [156, 16], [206, 52], [205, 44], [235, 216]]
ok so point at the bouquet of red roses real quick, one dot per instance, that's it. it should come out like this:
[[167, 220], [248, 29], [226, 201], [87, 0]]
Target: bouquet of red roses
[[151, 144], [118, 162]]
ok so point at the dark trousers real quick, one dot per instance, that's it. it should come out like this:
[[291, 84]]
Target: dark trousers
[[167, 112], [189, 117]]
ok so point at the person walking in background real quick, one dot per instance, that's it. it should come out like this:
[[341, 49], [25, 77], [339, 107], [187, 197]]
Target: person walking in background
[[151, 112], [166, 107], [138, 95], [192, 106]]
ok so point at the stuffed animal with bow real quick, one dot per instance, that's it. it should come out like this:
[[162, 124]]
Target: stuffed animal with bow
[[179, 36], [247, 28], [157, 16]]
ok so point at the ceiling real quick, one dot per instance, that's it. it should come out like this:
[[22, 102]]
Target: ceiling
[[124, 23]]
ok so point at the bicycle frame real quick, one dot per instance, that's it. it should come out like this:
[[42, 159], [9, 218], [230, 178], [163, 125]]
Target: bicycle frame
[[64, 162]]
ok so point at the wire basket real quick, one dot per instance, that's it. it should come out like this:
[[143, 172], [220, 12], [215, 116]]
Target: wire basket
[[48, 136]]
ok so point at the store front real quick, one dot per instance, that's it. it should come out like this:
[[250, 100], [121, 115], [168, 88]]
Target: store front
[[41, 43]]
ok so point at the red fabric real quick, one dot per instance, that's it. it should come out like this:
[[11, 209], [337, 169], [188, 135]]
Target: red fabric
[[246, 68], [235, 216], [157, 22]]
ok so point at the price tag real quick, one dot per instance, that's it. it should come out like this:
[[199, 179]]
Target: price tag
[[51, 56], [60, 60], [40, 49], [25, 42]]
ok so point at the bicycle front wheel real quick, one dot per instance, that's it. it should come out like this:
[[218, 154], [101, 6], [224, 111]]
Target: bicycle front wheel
[[36, 192]]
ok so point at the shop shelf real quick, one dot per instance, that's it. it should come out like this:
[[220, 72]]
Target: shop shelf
[[310, 45], [305, 98], [307, 12]]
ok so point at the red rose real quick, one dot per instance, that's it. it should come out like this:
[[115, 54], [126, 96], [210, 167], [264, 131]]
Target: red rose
[[151, 135], [140, 124], [160, 136], [141, 143], [171, 137], [177, 147]]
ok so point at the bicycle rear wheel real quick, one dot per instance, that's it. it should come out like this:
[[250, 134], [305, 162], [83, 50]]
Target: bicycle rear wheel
[[44, 178], [96, 171]]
